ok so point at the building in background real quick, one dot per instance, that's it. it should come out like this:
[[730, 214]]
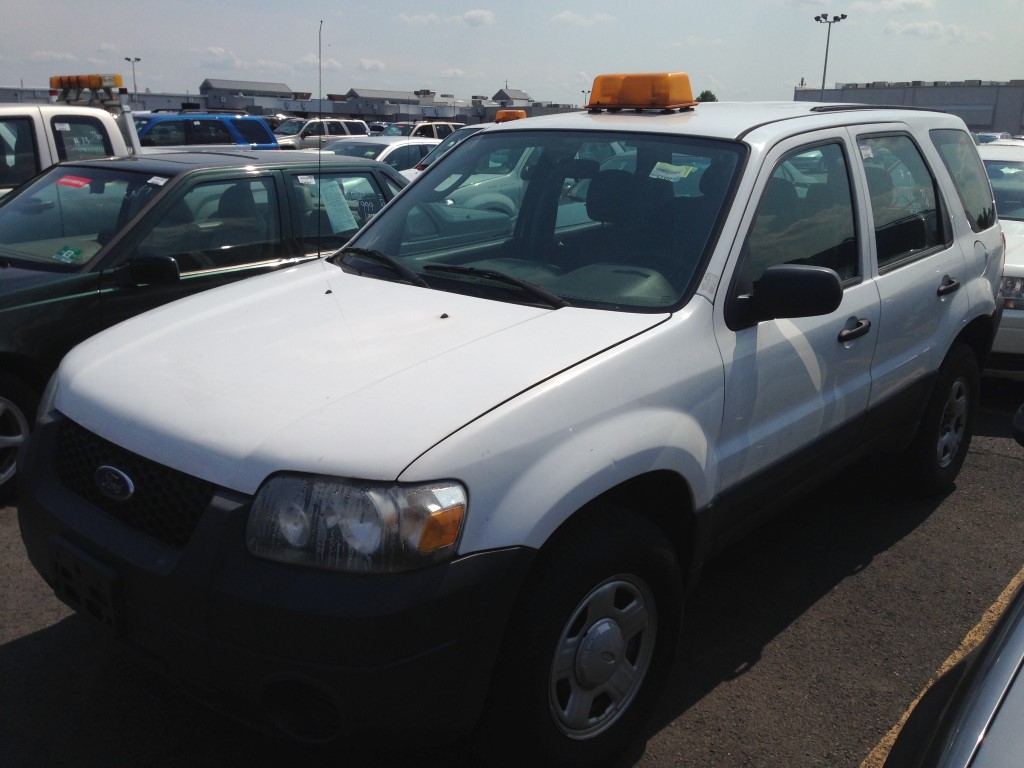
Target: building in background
[[984, 105]]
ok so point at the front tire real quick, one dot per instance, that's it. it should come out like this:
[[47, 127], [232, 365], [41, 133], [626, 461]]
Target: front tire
[[17, 411], [944, 435], [589, 646]]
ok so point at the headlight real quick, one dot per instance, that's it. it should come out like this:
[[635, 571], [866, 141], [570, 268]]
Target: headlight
[[1011, 292], [355, 526]]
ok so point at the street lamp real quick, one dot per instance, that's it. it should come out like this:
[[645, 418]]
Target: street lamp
[[824, 19], [135, 88], [586, 96]]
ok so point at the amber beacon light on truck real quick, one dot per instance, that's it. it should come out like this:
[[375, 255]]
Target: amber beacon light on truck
[[657, 90], [87, 89]]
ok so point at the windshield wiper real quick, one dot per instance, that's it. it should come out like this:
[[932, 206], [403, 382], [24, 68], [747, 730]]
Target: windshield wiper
[[533, 289], [379, 257]]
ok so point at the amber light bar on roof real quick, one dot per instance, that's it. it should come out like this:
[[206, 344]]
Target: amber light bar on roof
[[85, 82], [656, 90], [504, 115]]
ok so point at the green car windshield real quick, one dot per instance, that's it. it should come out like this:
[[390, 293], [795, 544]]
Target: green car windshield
[[66, 216], [611, 220]]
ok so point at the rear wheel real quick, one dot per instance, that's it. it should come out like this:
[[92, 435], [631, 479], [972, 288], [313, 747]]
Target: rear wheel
[[17, 409], [944, 435], [589, 647]]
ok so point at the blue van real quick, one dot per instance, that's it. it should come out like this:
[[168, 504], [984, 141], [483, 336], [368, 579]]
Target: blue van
[[203, 128]]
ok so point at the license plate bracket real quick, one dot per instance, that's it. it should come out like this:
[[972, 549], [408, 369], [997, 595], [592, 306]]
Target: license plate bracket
[[87, 585]]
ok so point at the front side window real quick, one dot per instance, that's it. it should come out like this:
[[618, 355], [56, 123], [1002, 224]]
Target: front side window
[[218, 224], [805, 216], [80, 138], [609, 220], [908, 220], [961, 160]]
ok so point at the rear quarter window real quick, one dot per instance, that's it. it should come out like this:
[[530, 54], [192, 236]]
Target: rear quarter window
[[80, 137], [965, 167]]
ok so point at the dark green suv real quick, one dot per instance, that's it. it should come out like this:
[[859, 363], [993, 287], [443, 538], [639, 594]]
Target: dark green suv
[[88, 244]]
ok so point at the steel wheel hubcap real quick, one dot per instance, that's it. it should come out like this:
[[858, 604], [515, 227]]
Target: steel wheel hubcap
[[13, 432], [602, 657], [953, 423]]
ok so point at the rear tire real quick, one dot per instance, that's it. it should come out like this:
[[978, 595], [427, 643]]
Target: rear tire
[[17, 412], [589, 646], [944, 435]]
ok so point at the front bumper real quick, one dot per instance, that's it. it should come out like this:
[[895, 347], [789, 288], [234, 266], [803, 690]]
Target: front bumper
[[315, 654]]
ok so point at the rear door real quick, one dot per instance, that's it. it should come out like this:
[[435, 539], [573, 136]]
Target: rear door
[[920, 268]]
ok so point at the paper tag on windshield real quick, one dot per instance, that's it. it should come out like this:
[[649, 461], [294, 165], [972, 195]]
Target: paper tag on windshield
[[669, 172]]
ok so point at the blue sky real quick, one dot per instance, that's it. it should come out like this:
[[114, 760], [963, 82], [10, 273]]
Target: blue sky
[[552, 49]]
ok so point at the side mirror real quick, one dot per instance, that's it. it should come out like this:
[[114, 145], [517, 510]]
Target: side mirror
[[795, 290], [1018, 425], [149, 270]]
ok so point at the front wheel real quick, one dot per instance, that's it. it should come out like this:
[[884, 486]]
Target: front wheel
[[944, 435], [589, 646], [17, 409]]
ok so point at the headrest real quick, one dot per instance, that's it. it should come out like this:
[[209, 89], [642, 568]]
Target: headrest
[[611, 197]]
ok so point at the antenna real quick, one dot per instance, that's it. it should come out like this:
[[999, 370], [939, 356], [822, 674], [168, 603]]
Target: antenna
[[320, 148]]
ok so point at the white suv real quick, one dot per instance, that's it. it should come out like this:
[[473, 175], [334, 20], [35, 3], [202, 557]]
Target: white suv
[[313, 133], [463, 472]]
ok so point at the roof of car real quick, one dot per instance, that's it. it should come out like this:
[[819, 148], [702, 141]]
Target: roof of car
[[174, 162], [726, 120], [1005, 149], [378, 140]]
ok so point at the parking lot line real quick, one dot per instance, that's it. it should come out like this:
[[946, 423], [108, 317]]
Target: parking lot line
[[971, 641]]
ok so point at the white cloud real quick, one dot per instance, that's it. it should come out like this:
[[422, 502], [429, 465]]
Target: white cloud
[[929, 30], [454, 72], [54, 56], [579, 20], [371, 65], [891, 6], [220, 57], [478, 18], [418, 20]]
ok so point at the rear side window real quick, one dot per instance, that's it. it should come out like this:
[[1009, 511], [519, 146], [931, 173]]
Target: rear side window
[[904, 200], [327, 209], [209, 132], [961, 159], [253, 131], [17, 151], [80, 137]]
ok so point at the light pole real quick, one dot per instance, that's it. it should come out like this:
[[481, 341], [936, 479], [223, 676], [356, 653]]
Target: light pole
[[135, 88], [586, 96], [824, 19]]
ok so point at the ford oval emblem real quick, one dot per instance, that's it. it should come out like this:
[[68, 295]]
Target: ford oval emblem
[[114, 484]]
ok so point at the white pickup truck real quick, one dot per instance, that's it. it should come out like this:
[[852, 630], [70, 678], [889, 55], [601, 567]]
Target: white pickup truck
[[87, 121]]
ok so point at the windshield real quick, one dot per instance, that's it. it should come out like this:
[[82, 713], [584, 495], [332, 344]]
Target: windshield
[[362, 149], [610, 220], [455, 138], [1008, 187], [399, 129], [289, 127], [66, 216]]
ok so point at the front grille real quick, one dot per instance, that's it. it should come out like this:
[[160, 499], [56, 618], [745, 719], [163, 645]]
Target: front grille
[[166, 504]]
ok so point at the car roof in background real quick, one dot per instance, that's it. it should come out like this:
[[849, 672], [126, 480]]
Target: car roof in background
[[174, 162]]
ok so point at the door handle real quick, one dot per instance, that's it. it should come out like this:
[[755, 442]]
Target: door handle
[[855, 328], [949, 285]]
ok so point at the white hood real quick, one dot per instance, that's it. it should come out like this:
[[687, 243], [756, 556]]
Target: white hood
[[315, 370]]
